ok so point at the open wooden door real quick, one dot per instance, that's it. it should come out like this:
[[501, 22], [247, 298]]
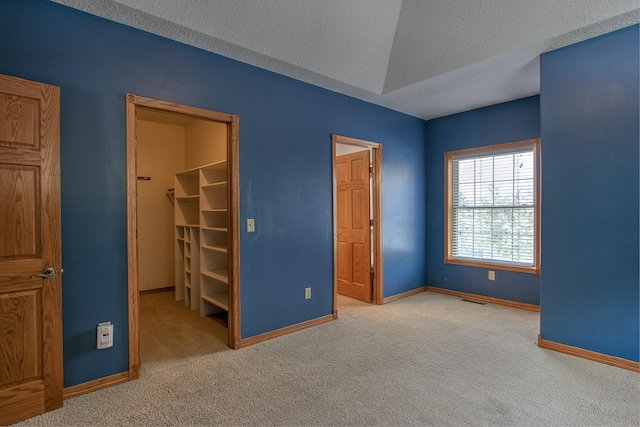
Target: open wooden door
[[30, 259], [353, 223]]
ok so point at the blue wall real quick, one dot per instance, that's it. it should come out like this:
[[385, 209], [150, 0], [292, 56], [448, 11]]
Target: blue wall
[[589, 117], [285, 171], [589, 104], [511, 121]]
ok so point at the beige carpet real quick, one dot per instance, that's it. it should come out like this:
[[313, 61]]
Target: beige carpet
[[426, 360]]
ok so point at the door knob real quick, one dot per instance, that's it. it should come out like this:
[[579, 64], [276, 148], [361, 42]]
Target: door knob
[[48, 273]]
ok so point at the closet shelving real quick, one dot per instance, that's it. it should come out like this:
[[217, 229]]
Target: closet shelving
[[186, 208], [202, 236], [214, 239]]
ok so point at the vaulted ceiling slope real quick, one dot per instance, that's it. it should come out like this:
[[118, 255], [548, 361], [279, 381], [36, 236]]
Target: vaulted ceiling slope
[[426, 58]]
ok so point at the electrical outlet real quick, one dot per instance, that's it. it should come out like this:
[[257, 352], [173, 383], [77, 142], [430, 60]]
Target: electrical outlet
[[307, 293], [104, 335], [492, 275]]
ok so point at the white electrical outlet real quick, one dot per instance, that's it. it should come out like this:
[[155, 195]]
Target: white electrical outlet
[[492, 275], [307, 293], [104, 335]]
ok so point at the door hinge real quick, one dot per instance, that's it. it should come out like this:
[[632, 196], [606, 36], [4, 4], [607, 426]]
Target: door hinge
[[136, 234], [370, 169], [371, 222], [372, 274]]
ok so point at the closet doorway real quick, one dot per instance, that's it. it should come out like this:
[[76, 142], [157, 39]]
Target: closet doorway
[[357, 219], [187, 181]]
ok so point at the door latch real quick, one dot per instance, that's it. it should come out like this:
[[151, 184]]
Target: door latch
[[48, 273]]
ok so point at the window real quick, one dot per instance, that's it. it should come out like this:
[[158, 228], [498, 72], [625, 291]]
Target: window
[[492, 216]]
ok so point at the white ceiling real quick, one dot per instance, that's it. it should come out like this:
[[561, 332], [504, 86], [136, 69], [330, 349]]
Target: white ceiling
[[426, 58]]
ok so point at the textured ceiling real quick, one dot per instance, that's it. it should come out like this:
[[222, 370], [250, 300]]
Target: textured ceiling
[[426, 58]]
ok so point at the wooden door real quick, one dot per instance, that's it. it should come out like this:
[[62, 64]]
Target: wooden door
[[30, 307], [353, 223]]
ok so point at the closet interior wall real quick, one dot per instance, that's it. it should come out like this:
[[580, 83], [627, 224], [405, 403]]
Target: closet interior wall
[[160, 155], [167, 145]]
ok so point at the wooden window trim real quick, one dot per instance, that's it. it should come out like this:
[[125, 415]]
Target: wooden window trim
[[448, 205]]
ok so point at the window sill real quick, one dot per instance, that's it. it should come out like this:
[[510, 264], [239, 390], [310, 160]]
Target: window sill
[[493, 266]]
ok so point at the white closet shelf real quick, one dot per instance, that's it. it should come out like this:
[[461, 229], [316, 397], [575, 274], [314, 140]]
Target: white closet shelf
[[221, 184], [221, 165], [194, 198], [219, 275], [215, 248], [223, 229], [188, 172], [219, 300]]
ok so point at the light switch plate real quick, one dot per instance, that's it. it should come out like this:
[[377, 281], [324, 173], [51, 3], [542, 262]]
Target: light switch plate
[[251, 227]]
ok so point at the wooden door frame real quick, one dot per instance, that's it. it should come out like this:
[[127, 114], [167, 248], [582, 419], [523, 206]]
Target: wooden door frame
[[376, 152], [134, 102]]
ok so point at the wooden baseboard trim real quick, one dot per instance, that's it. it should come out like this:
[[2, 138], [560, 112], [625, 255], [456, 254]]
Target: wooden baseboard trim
[[284, 331], [618, 362], [158, 290], [404, 295], [480, 298], [95, 385]]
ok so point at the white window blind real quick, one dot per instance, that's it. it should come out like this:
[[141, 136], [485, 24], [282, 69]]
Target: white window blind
[[493, 207]]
